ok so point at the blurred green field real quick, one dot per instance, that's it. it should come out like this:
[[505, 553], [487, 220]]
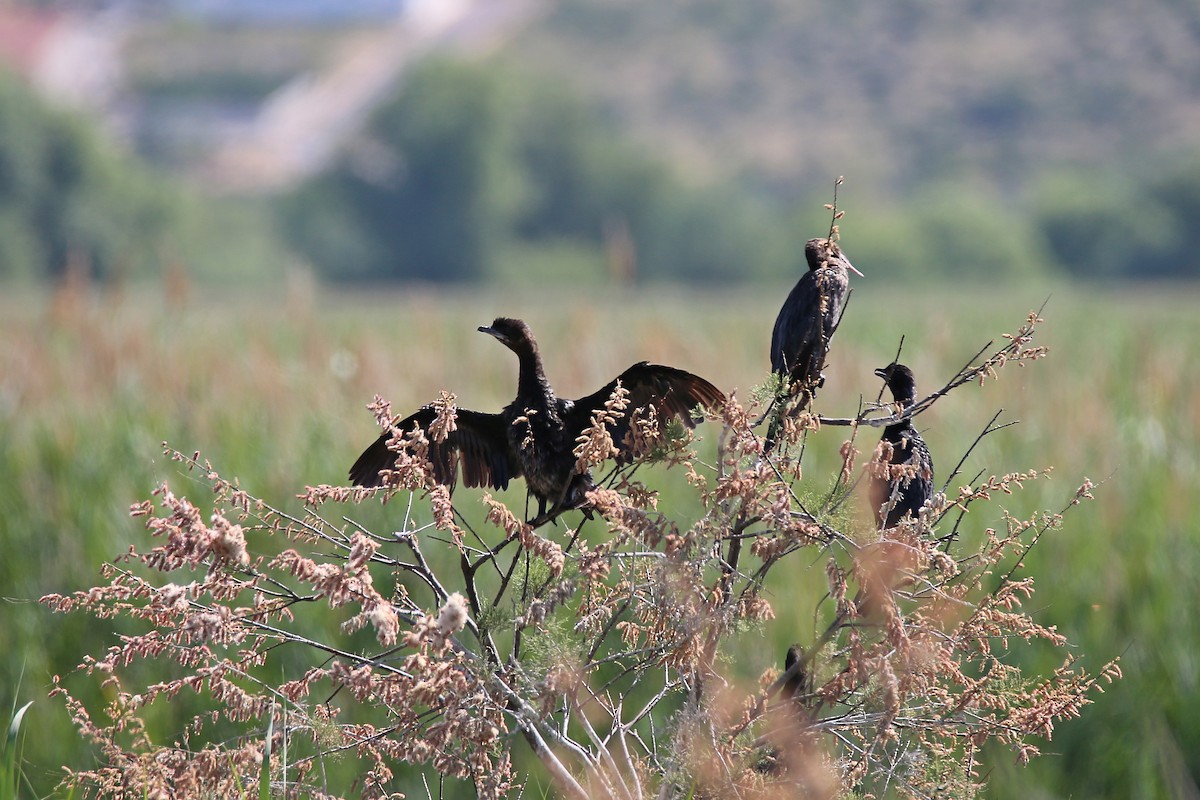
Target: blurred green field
[[272, 389]]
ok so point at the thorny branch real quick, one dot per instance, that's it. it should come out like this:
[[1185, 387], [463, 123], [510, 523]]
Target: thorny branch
[[1017, 350]]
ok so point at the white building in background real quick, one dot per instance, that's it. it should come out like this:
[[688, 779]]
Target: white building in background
[[74, 55], [434, 14], [301, 126], [70, 56]]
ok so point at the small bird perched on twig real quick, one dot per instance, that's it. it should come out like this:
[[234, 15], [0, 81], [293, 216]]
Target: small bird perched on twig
[[805, 326], [909, 483], [793, 685], [535, 436]]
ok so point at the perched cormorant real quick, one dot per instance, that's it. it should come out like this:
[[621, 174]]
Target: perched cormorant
[[908, 450], [794, 686], [800, 340], [535, 435], [784, 745]]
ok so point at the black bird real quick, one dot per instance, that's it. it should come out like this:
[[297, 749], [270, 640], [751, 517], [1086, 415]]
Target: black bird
[[794, 685], [784, 746], [908, 450], [800, 340], [535, 435]]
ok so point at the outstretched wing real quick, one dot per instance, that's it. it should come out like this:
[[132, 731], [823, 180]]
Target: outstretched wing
[[673, 393], [479, 444]]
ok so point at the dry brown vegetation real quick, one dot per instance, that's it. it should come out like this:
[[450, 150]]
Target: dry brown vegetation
[[604, 655]]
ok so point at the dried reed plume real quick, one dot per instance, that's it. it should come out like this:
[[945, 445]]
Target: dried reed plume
[[602, 657]]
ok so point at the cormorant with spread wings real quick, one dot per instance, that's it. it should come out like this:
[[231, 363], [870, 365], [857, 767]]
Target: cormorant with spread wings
[[535, 436]]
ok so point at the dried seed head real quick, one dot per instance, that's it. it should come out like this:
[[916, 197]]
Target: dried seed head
[[452, 617]]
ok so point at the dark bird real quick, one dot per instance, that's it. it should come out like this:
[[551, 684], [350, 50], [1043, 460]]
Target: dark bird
[[912, 486], [535, 435], [787, 747], [794, 677], [805, 325]]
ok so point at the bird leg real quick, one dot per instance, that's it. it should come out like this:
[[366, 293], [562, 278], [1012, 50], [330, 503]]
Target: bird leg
[[573, 497], [557, 511], [544, 516]]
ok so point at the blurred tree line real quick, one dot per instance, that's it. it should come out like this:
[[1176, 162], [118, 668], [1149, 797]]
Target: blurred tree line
[[474, 171], [70, 199], [470, 166], [63, 198]]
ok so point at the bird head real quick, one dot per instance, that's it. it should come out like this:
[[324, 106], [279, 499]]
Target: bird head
[[900, 380], [795, 684], [820, 252], [512, 333], [794, 653]]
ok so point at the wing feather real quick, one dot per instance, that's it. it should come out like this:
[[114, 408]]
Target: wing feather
[[478, 447], [673, 393]]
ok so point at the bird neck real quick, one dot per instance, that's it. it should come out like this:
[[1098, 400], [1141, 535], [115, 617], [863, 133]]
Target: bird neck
[[531, 382], [893, 431]]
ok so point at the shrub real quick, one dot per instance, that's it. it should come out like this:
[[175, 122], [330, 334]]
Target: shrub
[[601, 657]]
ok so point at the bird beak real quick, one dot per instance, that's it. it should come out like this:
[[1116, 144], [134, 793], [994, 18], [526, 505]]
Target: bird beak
[[851, 267], [882, 373], [499, 336]]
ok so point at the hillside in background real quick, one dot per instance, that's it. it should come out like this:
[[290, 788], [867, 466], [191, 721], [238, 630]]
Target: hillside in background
[[893, 94], [978, 140], [605, 141]]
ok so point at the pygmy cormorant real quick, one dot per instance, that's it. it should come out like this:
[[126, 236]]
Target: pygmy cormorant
[[535, 435], [794, 686], [806, 322], [914, 488]]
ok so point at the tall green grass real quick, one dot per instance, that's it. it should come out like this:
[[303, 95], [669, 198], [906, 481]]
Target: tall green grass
[[272, 391], [11, 754]]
